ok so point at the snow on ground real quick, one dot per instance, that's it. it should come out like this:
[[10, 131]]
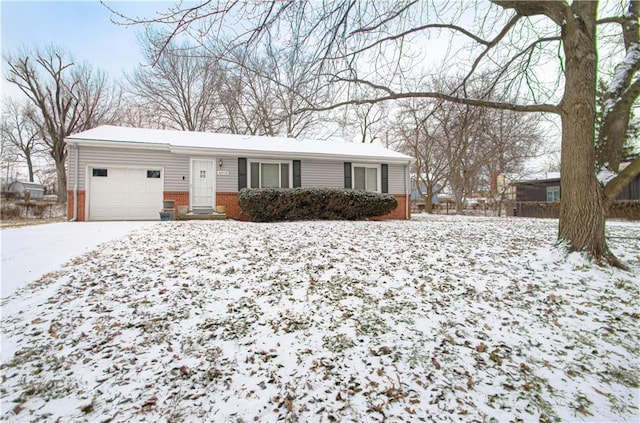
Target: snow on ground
[[30, 252], [438, 319]]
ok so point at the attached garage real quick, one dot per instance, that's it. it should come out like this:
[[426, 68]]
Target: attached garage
[[124, 193]]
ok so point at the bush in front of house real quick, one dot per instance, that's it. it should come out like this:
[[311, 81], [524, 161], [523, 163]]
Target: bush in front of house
[[287, 204]]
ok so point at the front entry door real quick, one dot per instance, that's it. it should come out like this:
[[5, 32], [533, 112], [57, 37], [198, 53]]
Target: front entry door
[[202, 184]]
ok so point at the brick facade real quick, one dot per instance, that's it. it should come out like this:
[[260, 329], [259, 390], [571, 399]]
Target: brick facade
[[230, 201], [181, 198], [227, 199], [399, 212], [81, 208]]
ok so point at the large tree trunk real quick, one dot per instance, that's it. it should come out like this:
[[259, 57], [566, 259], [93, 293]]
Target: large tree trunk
[[27, 157], [582, 205], [428, 197], [59, 157], [62, 183]]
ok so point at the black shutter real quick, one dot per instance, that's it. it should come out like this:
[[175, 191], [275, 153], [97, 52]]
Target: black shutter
[[347, 175], [242, 173], [384, 177], [297, 174]]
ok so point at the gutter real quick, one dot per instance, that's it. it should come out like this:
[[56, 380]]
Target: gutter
[[406, 192], [75, 183]]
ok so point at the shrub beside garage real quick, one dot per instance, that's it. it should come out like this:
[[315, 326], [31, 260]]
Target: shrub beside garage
[[274, 204]]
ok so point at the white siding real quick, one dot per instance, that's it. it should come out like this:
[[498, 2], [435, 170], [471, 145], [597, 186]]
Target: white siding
[[175, 166], [70, 165], [322, 174], [315, 174], [227, 183], [396, 179]]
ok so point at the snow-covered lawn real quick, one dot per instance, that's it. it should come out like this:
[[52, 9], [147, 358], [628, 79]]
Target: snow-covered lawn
[[29, 252], [440, 318]]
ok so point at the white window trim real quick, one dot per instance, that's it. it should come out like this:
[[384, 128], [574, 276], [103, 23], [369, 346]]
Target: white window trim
[[289, 162], [553, 189], [369, 166]]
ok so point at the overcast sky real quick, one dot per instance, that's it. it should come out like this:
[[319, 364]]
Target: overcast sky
[[83, 28]]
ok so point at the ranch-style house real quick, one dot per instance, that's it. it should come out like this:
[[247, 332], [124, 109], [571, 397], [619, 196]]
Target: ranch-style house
[[119, 173]]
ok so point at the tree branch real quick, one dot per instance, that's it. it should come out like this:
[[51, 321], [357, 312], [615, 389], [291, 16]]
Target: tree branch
[[624, 178], [541, 108], [387, 19], [555, 10], [412, 30]]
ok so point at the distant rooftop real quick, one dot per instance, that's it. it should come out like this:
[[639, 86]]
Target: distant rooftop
[[542, 176]]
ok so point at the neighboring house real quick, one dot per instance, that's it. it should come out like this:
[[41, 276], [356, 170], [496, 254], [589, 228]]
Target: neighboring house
[[545, 188], [20, 188], [417, 197], [118, 173], [537, 196], [631, 191]]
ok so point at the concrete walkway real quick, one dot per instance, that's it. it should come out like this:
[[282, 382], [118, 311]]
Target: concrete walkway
[[29, 252]]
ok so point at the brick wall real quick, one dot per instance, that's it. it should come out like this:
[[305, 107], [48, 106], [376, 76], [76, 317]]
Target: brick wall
[[227, 199], [399, 212], [81, 197], [181, 198], [230, 201]]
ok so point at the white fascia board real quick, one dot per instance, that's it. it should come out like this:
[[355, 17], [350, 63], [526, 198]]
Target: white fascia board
[[260, 154], [119, 144]]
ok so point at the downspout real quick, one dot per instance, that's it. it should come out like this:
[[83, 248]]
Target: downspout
[[406, 193], [75, 182]]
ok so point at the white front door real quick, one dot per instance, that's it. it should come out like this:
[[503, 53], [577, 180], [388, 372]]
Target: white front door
[[202, 183]]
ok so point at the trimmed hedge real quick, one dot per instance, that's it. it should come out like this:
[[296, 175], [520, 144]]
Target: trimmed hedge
[[273, 204]]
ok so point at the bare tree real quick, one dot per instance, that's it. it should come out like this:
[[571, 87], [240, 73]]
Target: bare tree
[[211, 83], [136, 115], [512, 139], [8, 158], [20, 130], [180, 86], [420, 137], [237, 119], [68, 98], [264, 92], [515, 41]]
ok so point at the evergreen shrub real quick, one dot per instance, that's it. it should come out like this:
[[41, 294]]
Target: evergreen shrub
[[288, 204]]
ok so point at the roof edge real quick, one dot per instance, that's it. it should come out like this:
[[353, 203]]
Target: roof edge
[[160, 146]]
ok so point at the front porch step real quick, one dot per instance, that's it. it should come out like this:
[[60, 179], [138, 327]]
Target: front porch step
[[203, 210]]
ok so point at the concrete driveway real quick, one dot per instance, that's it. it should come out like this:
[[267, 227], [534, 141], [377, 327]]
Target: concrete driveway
[[29, 252]]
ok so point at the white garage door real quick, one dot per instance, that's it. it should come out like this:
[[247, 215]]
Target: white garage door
[[125, 194]]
